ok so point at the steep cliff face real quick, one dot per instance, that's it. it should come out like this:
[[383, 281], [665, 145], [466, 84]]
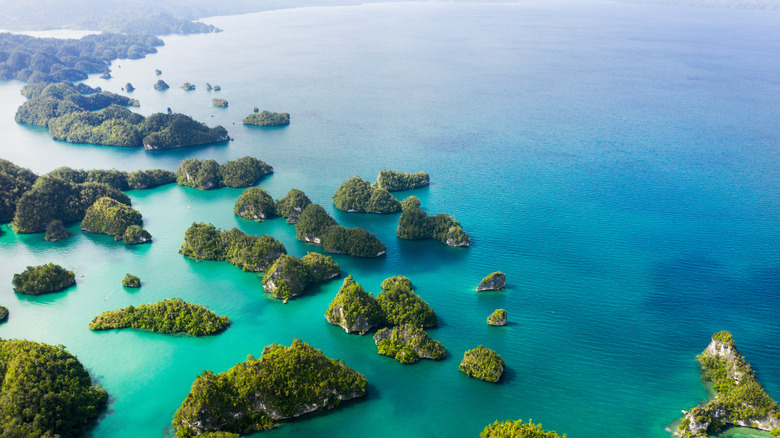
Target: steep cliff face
[[740, 400], [354, 309], [494, 281], [408, 344]]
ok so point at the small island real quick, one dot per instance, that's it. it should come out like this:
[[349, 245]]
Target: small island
[[408, 344], [255, 204], [56, 231], [135, 235], [208, 174], [285, 382], [217, 88], [357, 195], [315, 225], [292, 205], [739, 398], [168, 316], [3, 314], [51, 382], [517, 429], [131, 280], [129, 87], [497, 318], [107, 216], [219, 103], [394, 181], [401, 305], [415, 224], [247, 251], [493, 282], [483, 364], [188, 86], [266, 118], [289, 275], [161, 85], [43, 279], [354, 309]]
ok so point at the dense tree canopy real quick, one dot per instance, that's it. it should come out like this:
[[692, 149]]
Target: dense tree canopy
[[317, 226], [131, 280], [402, 306], [255, 204], [482, 363], [408, 344], [168, 316], [267, 118], [250, 252], [415, 224], [354, 309], [394, 181], [43, 279], [208, 174], [289, 275], [284, 382], [517, 429], [45, 392], [14, 181], [107, 216], [292, 205], [358, 195]]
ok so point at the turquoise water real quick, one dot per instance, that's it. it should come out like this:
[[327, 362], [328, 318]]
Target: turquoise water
[[619, 162]]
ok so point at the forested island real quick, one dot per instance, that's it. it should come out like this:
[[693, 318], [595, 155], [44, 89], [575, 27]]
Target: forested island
[[220, 103], [394, 181], [292, 205], [46, 392], [255, 204], [247, 251], [415, 224], [354, 309], [267, 118], [285, 382], [482, 363], [107, 216], [408, 344], [401, 305], [492, 282], [315, 225], [3, 314], [168, 316], [497, 318], [357, 195], [43, 279], [739, 400], [208, 174], [289, 275], [131, 281], [517, 429], [46, 102], [14, 181]]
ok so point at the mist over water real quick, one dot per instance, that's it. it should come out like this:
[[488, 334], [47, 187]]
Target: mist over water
[[618, 162]]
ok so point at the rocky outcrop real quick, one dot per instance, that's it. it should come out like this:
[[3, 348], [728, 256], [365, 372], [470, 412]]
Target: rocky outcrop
[[289, 276], [408, 344], [494, 281], [354, 309], [135, 235], [497, 318]]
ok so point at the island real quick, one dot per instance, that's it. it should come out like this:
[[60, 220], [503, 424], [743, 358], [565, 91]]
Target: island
[[129, 87], [50, 382], [482, 363], [249, 252], [3, 314], [493, 282], [135, 235], [131, 281], [56, 231], [356, 195], [394, 181], [43, 279], [217, 88], [220, 103], [187, 86], [354, 309], [107, 216], [739, 398], [497, 318], [408, 344], [208, 86], [517, 429], [161, 85], [288, 276], [265, 118], [315, 225], [168, 316], [292, 205], [157, 72], [285, 382], [15, 181], [208, 174], [255, 204], [401, 305], [415, 224]]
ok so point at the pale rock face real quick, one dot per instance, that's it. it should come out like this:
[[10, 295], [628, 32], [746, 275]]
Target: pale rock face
[[500, 321], [360, 326], [498, 282]]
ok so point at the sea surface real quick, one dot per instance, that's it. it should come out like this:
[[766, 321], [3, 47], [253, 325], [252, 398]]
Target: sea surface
[[620, 163]]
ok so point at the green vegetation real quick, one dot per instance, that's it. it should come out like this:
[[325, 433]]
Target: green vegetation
[[3, 313], [14, 181], [402, 306], [168, 316], [255, 204], [247, 251], [394, 181], [354, 309], [292, 205], [482, 363], [56, 231], [146, 179], [408, 344], [415, 224], [47, 60], [266, 118], [188, 86], [120, 180], [208, 174], [494, 281], [289, 275], [45, 392], [317, 226], [739, 398], [131, 280], [285, 382], [43, 279], [498, 317], [161, 85], [134, 235], [517, 429], [221, 103], [107, 216], [358, 195]]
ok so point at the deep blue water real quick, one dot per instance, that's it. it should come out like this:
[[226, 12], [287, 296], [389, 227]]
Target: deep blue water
[[619, 162]]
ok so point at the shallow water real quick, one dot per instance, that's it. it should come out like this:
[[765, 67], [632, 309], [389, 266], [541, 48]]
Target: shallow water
[[618, 162]]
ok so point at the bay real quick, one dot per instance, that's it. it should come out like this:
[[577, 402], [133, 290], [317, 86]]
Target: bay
[[619, 162]]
